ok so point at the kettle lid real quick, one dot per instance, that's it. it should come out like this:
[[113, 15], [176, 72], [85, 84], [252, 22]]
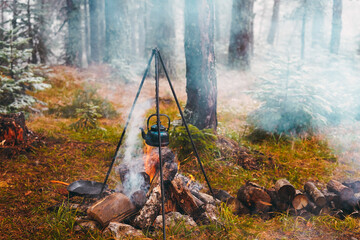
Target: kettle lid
[[155, 128]]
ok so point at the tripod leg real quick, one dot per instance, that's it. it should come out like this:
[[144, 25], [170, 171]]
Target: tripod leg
[[186, 126], [159, 138], [127, 122]]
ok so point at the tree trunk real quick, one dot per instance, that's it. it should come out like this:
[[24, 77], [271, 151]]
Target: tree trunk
[[86, 30], [241, 35], [114, 13], [318, 24], [161, 32], [41, 46], [303, 29], [274, 22], [15, 14], [74, 37], [95, 30], [336, 26], [30, 33], [201, 86]]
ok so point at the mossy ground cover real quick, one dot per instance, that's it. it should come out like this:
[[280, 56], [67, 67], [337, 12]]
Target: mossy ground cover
[[26, 190]]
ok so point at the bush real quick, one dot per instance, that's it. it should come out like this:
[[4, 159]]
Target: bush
[[205, 142], [82, 100], [293, 101]]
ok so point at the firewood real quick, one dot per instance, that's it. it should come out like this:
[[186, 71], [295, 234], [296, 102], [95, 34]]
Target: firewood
[[316, 196], [285, 191], [277, 204], [222, 195], [300, 200], [138, 198], [332, 198], [254, 197], [116, 206], [313, 208], [205, 198], [151, 209], [344, 192], [237, 207], [183, 196], [355, 185]]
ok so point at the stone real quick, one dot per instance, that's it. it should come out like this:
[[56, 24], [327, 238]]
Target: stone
[[208, 216], [120, 230], [173, 218]]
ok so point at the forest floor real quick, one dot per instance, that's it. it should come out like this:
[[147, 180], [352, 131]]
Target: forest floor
[[28, 197]]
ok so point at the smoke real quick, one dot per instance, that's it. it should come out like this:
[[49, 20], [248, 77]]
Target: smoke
[[132, 156]]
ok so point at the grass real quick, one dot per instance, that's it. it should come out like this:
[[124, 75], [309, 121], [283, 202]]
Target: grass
[[26, 192]]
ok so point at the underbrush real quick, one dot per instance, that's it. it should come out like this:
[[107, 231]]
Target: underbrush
[[70, 155]]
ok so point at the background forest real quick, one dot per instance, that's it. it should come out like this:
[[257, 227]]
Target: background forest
[[278, 78]]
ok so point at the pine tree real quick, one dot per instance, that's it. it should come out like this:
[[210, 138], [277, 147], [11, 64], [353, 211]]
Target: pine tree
[[16, 74]]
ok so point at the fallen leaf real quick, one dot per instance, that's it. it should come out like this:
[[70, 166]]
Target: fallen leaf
[[28, 193], [4, 184]]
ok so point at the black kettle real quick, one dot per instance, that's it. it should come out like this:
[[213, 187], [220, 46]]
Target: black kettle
[[152, 136]]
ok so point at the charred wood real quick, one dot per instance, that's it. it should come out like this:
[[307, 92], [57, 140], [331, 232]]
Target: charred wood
[[183, 196], [150, 211]]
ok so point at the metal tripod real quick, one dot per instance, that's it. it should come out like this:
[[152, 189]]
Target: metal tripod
[[158, 61]]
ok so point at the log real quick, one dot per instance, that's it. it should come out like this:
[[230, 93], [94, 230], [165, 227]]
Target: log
[[150, 211], [13, 130], [222, 195], [237, 207], [355, 185], [316, 196], [116, 206], [183, 196], [205, 198], [254, 197], [300, 200], [344, 192], [313, 208], [277, 204], [285, 191], [332, 198]]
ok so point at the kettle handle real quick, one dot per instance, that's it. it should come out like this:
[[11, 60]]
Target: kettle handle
[[153, 115]]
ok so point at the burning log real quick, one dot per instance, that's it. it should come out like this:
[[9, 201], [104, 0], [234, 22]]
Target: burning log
[[183, 196], [344, 192], [254, 197], [115, 207], [13, 130], [138, 198], [151, 209], [317, 197], [285, 191], [300, 200]]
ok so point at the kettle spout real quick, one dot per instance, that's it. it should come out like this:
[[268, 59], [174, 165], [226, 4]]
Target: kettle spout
[[143, 134]]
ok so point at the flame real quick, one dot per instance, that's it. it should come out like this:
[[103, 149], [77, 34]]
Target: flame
[[192, 179], [150, 162]]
